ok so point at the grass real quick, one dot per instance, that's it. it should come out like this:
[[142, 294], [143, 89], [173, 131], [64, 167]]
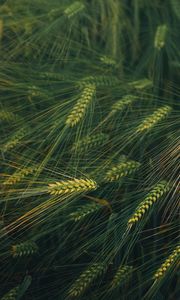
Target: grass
[[89, 140]]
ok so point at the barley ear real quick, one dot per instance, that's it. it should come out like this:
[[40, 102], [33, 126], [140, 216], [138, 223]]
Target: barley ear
[[169, 262], [152, 120], [24, 249], [80, 107], [121, 170], [86, 279], [160, 37], [74, 9], [123, 273], [84, 211], [71, 186], [156, 193]]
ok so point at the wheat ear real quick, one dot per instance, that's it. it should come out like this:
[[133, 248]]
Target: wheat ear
[[160, 37], [86, 279], [80, 107], [99, 81], [24, 249], [90, 142], [74, 9], [152, 120], [141, 84], [12, 294], [71, 186], [8, 116], [123, 273], [18, 291], [84, 211], [122, 103], [157, 192], [109, 61], [19, 175], [123, 169], [15, 139], [169, 262]]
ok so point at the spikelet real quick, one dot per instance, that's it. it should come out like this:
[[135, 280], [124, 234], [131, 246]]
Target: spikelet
[[157, 192], [18, 291], [71, 186], [34, 91], [8, 116], [12, 294], [160, 37], [19, 175], [121, 170], [141, 84], [104, 166], [90, 142], [15, 139], [121, 275], [122, 103], [84, 211], [54, 13], [86, 279], [24, 249], [55, 76], [73, 9], [169, 262], [80, 107], [149, 122], [107, 60], [99, 81]]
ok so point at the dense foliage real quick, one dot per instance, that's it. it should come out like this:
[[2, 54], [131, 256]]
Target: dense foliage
[[89, 139]]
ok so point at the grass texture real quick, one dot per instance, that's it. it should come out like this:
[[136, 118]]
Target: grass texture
[[89, 140]]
